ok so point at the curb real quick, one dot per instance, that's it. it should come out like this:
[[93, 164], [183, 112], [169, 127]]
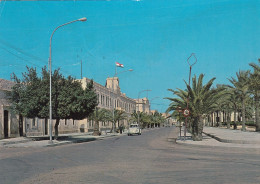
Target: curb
[[15, 142], [231, 141]]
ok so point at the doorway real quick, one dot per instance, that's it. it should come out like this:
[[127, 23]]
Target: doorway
[[6, 124]]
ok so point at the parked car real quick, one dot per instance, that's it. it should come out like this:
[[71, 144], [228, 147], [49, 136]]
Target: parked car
[[134, 129]]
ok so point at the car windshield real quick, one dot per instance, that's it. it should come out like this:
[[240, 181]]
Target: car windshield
[[133, 126]]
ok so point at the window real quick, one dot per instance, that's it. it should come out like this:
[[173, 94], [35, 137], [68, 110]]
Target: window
[[65, 121]]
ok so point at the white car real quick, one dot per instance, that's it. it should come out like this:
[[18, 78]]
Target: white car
[[134, 129]]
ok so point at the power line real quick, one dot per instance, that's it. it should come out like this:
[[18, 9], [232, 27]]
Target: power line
[[27, 55]]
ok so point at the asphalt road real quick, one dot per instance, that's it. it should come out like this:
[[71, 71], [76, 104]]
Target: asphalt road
[[148, 158]]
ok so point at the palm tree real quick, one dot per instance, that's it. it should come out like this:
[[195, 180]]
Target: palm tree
[[144, 119], [201, 101], [158, 118], [97, 116], [221, 104], [241, 89], [255, 90], [118, 116]]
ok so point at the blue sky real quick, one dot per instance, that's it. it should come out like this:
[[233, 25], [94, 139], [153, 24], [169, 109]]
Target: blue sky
[[152, 37]]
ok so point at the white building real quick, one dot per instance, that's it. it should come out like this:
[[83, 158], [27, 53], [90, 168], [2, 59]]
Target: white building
[[109, 97]]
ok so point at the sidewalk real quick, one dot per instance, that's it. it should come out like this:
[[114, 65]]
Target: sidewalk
[[221, 137], [232, 136], [43, 141]]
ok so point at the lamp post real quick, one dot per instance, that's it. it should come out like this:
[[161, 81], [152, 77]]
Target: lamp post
[[116, 73], [150, 106], [154, 99], [180, 111], [50, 116], [187, 108], [138, 112]]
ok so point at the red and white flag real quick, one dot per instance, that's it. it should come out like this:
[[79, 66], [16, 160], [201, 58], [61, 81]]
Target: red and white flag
[[120, 65]]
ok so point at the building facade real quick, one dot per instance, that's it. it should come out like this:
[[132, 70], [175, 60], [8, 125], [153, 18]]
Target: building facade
[[13, 126], [111, 98], [9, 126], [143, 105]]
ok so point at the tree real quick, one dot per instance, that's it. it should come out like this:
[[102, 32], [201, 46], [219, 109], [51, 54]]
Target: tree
[[25, 94], [15, 98], [254, 87], [70, 101], [118, 116], [201, 101], [157, 119], [143, 118], [98, 115], [241, 90], [177, 103]]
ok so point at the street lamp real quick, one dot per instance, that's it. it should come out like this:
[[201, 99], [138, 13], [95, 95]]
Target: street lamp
[[138, 117], [179, 109], [187, 108], [50, 116], [154, 99]]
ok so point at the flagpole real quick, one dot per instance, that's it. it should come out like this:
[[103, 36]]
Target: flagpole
[[116, 70]]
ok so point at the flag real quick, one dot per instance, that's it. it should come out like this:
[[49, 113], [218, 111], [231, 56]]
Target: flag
[[120, 65]]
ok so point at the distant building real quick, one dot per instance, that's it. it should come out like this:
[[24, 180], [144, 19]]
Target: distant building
[[143, 105], [109, 97]]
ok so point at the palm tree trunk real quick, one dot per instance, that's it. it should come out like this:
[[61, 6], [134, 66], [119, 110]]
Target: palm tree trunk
[[20, 125], [96, 128], [228, 120], [243, 116], [235, 118], [197, 128], [212, 119]]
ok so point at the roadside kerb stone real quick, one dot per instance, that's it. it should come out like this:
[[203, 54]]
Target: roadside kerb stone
[[43, 142], [232, 136], [10, 141]]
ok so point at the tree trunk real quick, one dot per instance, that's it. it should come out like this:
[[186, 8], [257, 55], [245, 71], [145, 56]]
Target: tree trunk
[[212, 119], [114, 127], [96, 129], [197, 128], [243, 115], [257, 122], [228, 120], [56, 127], [20, 125], [235, 118]]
